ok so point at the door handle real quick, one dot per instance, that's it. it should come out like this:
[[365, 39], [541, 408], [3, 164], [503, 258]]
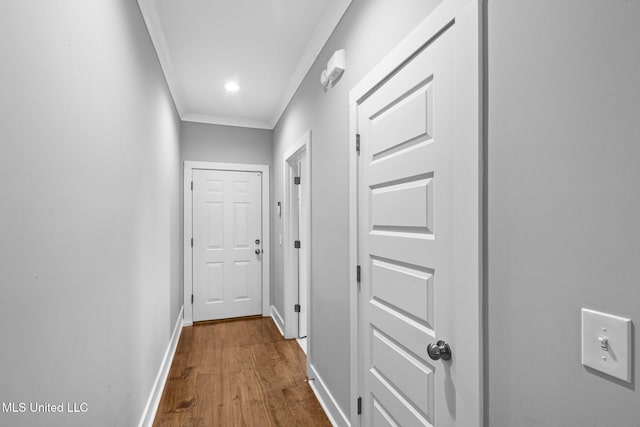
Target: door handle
[[439, 350], [258, 251]]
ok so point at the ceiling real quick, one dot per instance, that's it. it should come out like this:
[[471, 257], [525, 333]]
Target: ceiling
[[266, 46]]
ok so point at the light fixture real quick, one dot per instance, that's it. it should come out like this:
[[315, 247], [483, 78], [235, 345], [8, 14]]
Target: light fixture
[[232, 87], [335, 67]]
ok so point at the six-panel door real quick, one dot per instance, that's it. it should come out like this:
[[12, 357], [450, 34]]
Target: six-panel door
[[227, 271]]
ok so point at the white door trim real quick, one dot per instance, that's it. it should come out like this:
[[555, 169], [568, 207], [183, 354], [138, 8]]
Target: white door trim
[[189, 166], [290, 288], [467, 16]]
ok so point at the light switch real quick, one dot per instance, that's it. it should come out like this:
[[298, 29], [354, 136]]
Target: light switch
[[606, 343]]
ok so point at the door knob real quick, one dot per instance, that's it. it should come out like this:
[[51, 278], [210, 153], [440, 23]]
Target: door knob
[[439, 350], [258, 251]]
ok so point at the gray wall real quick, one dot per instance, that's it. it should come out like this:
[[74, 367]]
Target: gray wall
[[89, 211], [226, 144], [563, 204], [369, 29]]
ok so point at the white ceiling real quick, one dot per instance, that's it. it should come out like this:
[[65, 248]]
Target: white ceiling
[[266, 46]]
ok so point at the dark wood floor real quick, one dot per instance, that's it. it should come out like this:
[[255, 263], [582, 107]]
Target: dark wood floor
[[238, 373]]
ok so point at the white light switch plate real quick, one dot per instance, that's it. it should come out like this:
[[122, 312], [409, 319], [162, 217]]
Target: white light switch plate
[[614, 334]]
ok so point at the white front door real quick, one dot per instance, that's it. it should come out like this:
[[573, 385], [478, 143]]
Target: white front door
[[414, 242], [227, 245]]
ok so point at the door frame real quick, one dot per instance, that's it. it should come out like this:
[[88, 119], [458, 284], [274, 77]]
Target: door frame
[[189, 166], [302, 144], [466, 15]]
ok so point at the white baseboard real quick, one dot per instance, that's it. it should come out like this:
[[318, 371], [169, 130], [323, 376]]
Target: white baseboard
[[151, 408], [277, 319], [327, 401]]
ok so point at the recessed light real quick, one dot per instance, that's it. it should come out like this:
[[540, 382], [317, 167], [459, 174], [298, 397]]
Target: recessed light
[[232, 87]]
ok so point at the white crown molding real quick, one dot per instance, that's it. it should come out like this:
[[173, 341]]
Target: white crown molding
[[154, 27], [327, 24], [226, 121]]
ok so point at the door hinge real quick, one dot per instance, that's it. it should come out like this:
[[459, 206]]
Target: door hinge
[[192, 242], [358, 143], [191, 185], [359, 404], [296, 244], [191, 298], [296, 180], [358, 273], [296, 308]]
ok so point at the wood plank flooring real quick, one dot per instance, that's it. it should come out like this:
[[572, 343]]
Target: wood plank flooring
[[238, 373]]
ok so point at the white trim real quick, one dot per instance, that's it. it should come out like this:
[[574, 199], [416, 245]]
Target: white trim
[[302, 342], [156, 33], [354, 313], [467, 17], [150, 409], [326, 399], [277, 319], [189, 166], [468, 169], [327, 24], [302, 144]]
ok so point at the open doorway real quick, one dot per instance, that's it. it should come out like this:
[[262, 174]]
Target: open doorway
[[297, 241]]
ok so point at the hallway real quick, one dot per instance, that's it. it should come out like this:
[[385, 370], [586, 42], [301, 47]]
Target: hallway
[[95, 242], [238, 373]]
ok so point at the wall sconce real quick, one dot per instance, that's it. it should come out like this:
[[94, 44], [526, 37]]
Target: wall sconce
[[335, 68]]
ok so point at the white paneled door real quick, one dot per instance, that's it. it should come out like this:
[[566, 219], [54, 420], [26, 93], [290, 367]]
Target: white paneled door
[[227, 246], [415, 244]]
